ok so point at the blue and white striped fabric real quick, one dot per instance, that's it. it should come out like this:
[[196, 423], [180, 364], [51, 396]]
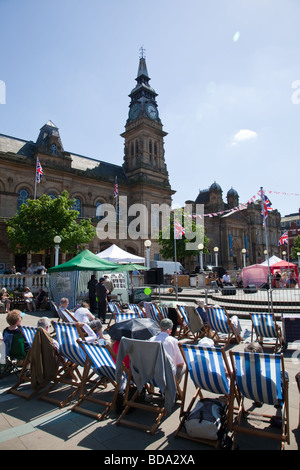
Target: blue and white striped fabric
[[263, 324], [101, 359], [126, 316], [206, 368], [29, 333], [67, 336], [258, 376], [136, 309], [154, 313], [163, 310], [184, 314], [218, 319]]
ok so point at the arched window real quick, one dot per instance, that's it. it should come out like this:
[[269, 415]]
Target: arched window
[[23, 195], [52, 195], [98, 211], [54, 149], [77, 206]]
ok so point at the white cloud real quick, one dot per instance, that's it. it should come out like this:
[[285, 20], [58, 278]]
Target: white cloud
[[243, 135]]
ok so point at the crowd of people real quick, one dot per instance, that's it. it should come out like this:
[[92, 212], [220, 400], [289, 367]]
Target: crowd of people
[[280, 279]]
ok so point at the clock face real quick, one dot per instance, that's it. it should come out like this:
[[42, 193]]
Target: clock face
[[151, 111], [134, 111]]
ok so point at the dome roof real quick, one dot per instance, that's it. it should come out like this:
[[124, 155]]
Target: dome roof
[[215, 187], [232, 192]]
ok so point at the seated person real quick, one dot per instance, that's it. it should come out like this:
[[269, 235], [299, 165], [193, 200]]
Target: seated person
[[45, 323], [41, 298], [171, 347], [83, 315], [29, 300], [19, 347], [5, 299]]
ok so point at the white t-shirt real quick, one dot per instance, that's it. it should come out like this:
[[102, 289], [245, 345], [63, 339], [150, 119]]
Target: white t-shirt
[[82, 315], [171, 348]]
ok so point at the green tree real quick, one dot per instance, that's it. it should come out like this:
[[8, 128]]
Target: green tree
[[296, 248], [166, 240], [38, 221]]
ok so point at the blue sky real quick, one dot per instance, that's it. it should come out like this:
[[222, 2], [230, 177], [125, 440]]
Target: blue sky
[[227, 74]]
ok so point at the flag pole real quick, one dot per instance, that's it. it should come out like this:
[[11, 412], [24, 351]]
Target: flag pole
[[35, 180], [265, 227], [267, 247], [175, 255]]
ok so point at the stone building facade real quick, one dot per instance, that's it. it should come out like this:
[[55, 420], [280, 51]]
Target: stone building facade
[[232, 227], [142, 178]]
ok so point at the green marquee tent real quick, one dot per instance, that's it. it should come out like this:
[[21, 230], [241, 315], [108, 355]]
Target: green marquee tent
[[85, 261]]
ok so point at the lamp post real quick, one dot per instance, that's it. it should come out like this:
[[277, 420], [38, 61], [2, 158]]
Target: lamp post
[[284, 255], [147, 245], [244, 251], [200, 248], [216, 250], [298, 254], [266, 254], [57, 241]]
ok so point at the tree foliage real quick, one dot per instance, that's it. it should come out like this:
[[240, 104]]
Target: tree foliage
[[38, 221], [296, 248], [166, 240]]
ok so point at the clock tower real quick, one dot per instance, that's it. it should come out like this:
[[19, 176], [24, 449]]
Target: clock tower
[[144, 161]]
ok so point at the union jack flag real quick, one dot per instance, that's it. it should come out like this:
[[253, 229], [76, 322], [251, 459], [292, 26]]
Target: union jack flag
[[266, 207], [116, 189], [284, 239], [39, 171], [178, 230]]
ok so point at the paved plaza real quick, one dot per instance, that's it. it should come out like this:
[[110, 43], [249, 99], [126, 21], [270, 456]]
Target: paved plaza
[[39, 425]]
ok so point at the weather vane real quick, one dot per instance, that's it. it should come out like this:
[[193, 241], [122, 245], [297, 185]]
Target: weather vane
[[142, 51]]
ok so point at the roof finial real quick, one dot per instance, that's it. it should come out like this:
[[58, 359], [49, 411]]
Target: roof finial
[[142, 51]]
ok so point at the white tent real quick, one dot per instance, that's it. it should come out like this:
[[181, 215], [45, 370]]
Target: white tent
[[273, 260], [117, 255]]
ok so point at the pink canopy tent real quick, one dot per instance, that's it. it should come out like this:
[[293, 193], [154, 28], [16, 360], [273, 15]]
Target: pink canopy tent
[[285, 265], [257, 275]]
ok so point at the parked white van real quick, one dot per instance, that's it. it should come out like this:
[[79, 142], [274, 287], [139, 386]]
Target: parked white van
[[169, 267]]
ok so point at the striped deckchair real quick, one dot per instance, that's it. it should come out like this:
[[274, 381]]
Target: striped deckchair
[[24, 377], [264, 326], [209, 370], [220, 323], [126, 316], [75, 366], [137, 309], [103, 361], [154, 313], [163, 311], [261, 378], [186, 330]]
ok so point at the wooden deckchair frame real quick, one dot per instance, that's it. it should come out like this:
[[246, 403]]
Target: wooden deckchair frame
[[235, 420], [24, 377], [230, 334], [149, 388], [198, 394], [101, 384], [278, 343], [69, 373]]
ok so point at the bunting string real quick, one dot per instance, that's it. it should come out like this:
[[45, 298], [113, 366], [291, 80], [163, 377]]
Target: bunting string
[[243, 206]]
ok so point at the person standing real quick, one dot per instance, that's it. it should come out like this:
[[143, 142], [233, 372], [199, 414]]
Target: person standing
[[92, 292], [101, 293]]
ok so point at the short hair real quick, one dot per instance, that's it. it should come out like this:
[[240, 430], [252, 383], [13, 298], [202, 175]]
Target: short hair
[[85, 304], [43, 322], [64, 300], [166, 324], [254, 348], [13, 317]]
